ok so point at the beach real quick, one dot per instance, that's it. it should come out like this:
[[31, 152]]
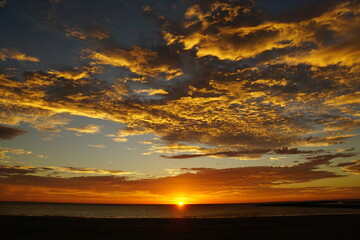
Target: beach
[[284, 227]]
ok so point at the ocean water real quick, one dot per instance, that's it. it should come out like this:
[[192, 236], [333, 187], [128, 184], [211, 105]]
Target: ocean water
[[162, 211]]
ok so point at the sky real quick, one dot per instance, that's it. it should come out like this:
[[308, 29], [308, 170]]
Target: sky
[[198, 101]]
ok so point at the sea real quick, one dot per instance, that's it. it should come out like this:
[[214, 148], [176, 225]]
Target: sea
[[166, 211]]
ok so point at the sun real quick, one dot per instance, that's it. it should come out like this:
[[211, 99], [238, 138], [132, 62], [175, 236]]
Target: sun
[[180, 204]]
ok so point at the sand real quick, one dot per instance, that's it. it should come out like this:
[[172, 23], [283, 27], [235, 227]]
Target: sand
[[297, 227]]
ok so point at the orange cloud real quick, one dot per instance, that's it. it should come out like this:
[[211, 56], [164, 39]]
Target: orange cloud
[[200, 185]]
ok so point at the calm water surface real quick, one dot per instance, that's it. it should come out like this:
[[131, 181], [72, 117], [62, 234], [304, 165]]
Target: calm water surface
[[162, 211]]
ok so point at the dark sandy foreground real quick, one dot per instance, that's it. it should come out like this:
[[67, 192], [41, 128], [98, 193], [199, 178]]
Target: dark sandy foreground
[[300, 227]]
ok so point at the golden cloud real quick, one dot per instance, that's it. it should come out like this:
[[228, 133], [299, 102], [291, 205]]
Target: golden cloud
[[224, 38], [91, 129], [352, 167], [3, 152], [97, 145], [6, 53], [143, 62], [152, 91]]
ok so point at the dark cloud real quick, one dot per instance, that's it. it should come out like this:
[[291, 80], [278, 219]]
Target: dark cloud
[[10, 132], [345, 164], [255, 153], [16, 170], [24, 170], [185, 156], [240, 153], [325, 159]]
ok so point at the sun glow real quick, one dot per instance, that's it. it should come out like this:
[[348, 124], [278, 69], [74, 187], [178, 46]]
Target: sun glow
[[180, 204]]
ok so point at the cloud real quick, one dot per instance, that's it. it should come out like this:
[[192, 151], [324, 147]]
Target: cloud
[[152, 91], [97, 146], [89, 170], [7, 53], [345, 149], [90, 129], [20, 170], [197, 151], [295, 151], [240, 154], [143, 62], [351, 167], [121, 135], [4, 151], [75, 73], [352, 98], [276, 158], [97, 32], [119, 139], [49, 123], [242, 84], [325, 159], [325, 141], [10, 132], [241, 32], [9, 170], [232, 152], [227, 114]]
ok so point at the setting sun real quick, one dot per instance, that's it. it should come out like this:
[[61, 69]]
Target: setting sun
[[180, 204]]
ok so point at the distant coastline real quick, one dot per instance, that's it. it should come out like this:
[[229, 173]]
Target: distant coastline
[[344, 203]]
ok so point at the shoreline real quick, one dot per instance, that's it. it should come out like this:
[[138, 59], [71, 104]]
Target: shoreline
[[341, 226]]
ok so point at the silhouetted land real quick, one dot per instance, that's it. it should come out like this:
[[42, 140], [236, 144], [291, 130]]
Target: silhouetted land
[[353, 203], [295, 227]]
